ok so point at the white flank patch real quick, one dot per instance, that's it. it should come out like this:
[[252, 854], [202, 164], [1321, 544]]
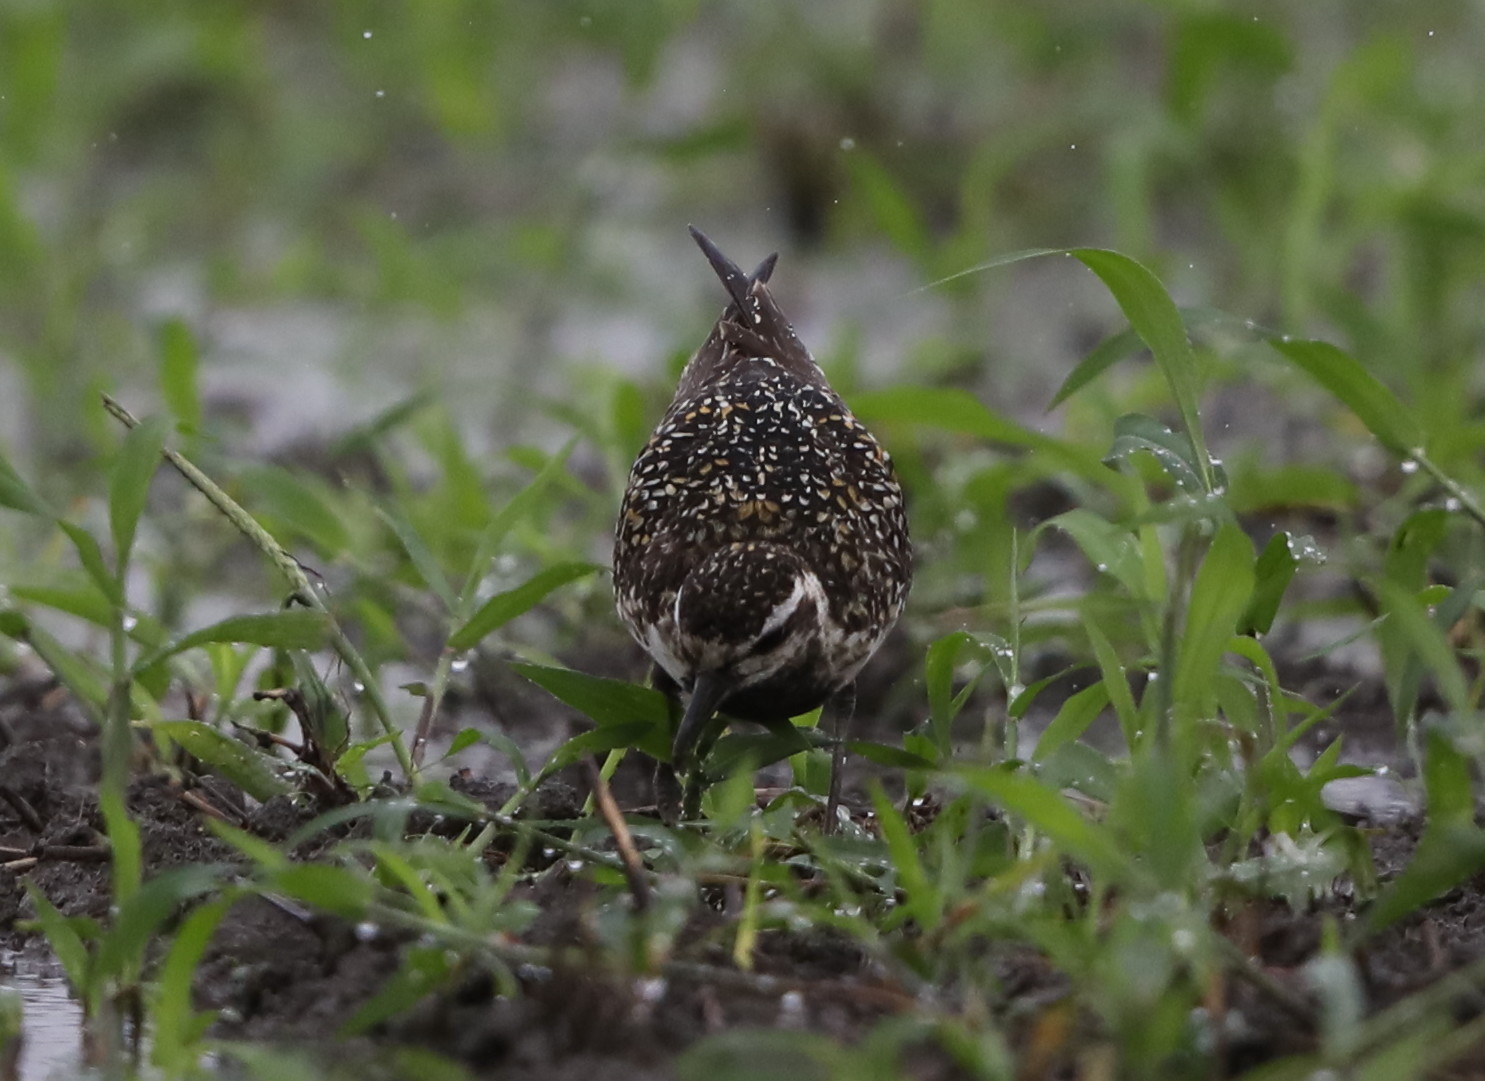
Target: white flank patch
[[658, 647], [785, 608]]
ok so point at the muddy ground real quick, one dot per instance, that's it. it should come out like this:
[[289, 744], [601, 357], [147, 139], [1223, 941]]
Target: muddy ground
[[278, 976]]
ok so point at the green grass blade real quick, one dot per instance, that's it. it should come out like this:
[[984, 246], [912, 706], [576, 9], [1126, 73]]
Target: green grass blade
[[64, 939], [17, 494], [1155, 318], [1049, 812], [504, 607], [289, 628], [249, 769], [179, 360], [129, 485], [177, 1029], [1219, 596], [1364, 394]]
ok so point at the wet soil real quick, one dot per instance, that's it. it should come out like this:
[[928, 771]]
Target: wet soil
[[280, 975]]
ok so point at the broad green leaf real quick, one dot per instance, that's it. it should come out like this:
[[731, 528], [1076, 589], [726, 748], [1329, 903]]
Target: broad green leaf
[[943, 659], [1406, 566], [1155, 318], [17, 494], [125, 847], [250, 845], [122, 951], [81, 675], [251, 770], [91, 557], [884, 754], [176, 1027], [178, 363], [363, 439], [326, 722], [512, 751], [504, 607], [439, 797], [609, 737], [1219, 596], [517, 508], [64, 939], [1426, 641], [1072, 720], [1108, 353], [82, 600], [961, 413], [288, 628], [922, 901], [1016, 708], [758, 750], [304, 505], [421, 971], [350, 764], [1154, 818], [1047, 810], [337, 890], [892, 211], [1364, 394], [1080, 767], [129, 484], [1272, 574], [1115, 681], [628, 417], [466, 737], [1111, 548], [606, 701], [418, 551], [394, 870], [765, 1054], [1135, 432], [1126, 343], [944, 408]]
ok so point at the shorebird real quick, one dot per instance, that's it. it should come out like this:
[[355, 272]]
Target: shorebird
[[762, 549]]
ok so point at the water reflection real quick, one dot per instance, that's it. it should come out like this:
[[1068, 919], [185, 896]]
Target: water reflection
[[52, 1026]]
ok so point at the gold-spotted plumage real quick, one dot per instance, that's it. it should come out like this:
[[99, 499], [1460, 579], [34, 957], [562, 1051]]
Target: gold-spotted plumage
[[762, 549]]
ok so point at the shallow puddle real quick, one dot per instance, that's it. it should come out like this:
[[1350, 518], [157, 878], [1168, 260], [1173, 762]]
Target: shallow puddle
[[52, 1026]]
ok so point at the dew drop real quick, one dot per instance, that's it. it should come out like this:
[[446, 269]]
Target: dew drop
[[1409, 465], [130, 622], [848, 143], [366, 931], [650, 989], [460, 663], [366, 34], [791, 1009]]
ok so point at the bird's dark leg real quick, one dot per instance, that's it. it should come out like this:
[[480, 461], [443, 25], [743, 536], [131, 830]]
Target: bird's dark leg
[[842, 706], [668, 800], [696, 775]]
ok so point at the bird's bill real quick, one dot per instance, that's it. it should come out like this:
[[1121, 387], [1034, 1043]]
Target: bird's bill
[[706, 697]]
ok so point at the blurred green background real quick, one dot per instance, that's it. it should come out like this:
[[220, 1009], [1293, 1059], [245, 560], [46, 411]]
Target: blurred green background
[[346, 202], [326, 210]]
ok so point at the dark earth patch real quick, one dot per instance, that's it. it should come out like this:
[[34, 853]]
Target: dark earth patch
[[278, 975]]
